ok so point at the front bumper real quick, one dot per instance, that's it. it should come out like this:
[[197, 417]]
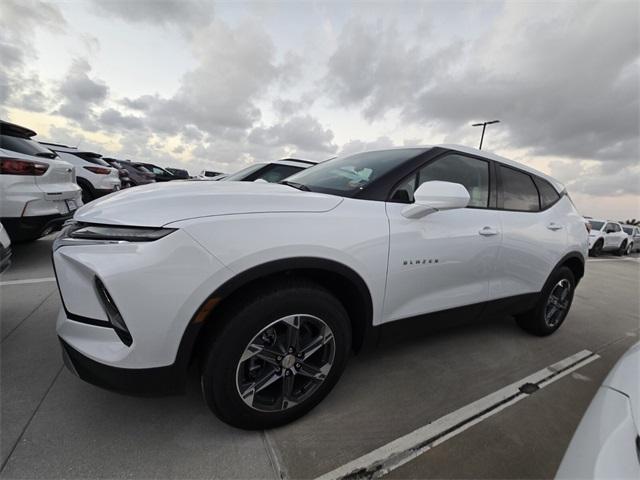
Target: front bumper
[[157, 287], [144, 381]]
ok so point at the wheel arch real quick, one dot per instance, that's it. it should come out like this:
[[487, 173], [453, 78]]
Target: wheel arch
[[575, 262], [342, 281]]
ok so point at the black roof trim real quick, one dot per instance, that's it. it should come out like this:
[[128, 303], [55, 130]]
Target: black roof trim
[[13, 130], [308, 162]]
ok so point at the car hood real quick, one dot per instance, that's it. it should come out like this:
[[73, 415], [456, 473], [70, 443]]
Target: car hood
[[158, 204]]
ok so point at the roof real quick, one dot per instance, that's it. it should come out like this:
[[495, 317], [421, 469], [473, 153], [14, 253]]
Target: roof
[[14, 130]]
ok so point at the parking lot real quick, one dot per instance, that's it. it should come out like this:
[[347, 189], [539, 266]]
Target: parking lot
[[54, 425]]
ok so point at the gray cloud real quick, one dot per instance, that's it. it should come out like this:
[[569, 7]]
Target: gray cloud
[[80, 93], [303, 132], [20, 85], [115, 119], [564, 81], [186, 14]]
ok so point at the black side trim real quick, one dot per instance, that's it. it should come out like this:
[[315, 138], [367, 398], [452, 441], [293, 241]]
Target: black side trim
[[575, 256], [144, 381]]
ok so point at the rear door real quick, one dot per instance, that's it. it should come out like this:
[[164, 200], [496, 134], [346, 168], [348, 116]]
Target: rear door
[[446, 259], [534, 234]]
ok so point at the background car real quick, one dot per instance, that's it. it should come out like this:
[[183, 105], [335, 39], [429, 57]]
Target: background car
[[138, 175], [606, 443], [179, 173], [161, 175], [125, 181], [633, 232], [208, 174], [95, 176], [606, 236], [5, 249], [38, 191], [271, 172]]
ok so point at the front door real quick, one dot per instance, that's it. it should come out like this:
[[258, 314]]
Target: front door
[[446, 259]]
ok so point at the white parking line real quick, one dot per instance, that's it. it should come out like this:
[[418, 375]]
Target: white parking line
[[404, 449], [29, 280]]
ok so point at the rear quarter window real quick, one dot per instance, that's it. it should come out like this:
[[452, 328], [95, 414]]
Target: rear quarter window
[[548, 194]]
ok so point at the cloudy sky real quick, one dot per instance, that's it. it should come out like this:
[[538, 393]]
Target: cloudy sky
[[220, 85]]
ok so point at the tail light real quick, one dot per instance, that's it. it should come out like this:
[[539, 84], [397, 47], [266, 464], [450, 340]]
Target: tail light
[[99, 170], [17, 166]]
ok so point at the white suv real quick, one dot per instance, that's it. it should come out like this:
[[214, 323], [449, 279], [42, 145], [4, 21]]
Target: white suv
[[270, 286], [37, 190], [633, 232], [607, 236], [95, 176]]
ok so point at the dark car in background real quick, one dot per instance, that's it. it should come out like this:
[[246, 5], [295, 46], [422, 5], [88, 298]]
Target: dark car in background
[[179, 173], [123, 172], [138, 175], [161, 174]]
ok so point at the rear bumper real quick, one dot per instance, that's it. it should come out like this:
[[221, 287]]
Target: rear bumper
[[145, 381], [30, 228]]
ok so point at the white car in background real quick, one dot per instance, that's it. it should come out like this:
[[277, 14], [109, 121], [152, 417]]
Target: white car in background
[[95, 176], [606, 443], [38, 191], [633, 231], [5, 249], [271, 172], [606, 236]]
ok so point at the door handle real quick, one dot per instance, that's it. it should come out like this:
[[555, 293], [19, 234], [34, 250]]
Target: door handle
[[488, 231], [554, 226]]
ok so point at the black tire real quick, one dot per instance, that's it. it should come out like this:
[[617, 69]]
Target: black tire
[[537, 321], [596, 250], [246, 318], [622, 250], [87, 191]]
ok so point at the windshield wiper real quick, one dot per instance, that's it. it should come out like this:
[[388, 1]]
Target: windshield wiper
[[299, 186]]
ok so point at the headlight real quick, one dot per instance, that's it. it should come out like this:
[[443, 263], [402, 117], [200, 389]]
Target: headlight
[[114, 233]]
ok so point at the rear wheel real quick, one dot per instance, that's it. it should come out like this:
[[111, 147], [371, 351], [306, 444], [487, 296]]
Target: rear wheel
[[87, 192], [596, 250], [276, 356], [552, 306], [623, 249]]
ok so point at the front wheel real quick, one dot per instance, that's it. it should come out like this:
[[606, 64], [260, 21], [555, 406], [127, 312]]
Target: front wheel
[[277, 355], [552, 306], [596, 250]]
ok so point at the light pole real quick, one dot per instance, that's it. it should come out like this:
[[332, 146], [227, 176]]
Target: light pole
[[484, 126]]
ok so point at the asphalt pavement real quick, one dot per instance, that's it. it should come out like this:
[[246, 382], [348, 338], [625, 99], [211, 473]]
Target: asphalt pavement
[[54, 425]]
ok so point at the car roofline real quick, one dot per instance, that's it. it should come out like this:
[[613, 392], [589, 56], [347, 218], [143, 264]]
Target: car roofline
[[14, 130]]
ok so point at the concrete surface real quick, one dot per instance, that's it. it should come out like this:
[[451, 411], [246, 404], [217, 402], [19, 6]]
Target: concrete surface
[[54, 425]]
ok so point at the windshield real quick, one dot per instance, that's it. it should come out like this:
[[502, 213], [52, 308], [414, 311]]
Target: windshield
[[346, 176], [244, 172], [595, 225], [628, 230], [26, 146]]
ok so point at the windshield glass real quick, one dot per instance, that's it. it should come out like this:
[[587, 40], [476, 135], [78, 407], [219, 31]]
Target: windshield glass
[[628, 230], [595, 225], [243, 173], [25, 145], [346, 176]]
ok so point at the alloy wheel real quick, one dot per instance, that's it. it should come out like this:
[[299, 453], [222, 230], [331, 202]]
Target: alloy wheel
[[285, 363], [558, 303]]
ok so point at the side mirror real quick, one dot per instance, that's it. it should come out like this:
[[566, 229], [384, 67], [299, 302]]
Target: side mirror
[[433, 196]]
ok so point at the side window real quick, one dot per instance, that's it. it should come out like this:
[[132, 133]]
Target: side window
[[472, 173], [548, 194], [518, 191], [609, 228]]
